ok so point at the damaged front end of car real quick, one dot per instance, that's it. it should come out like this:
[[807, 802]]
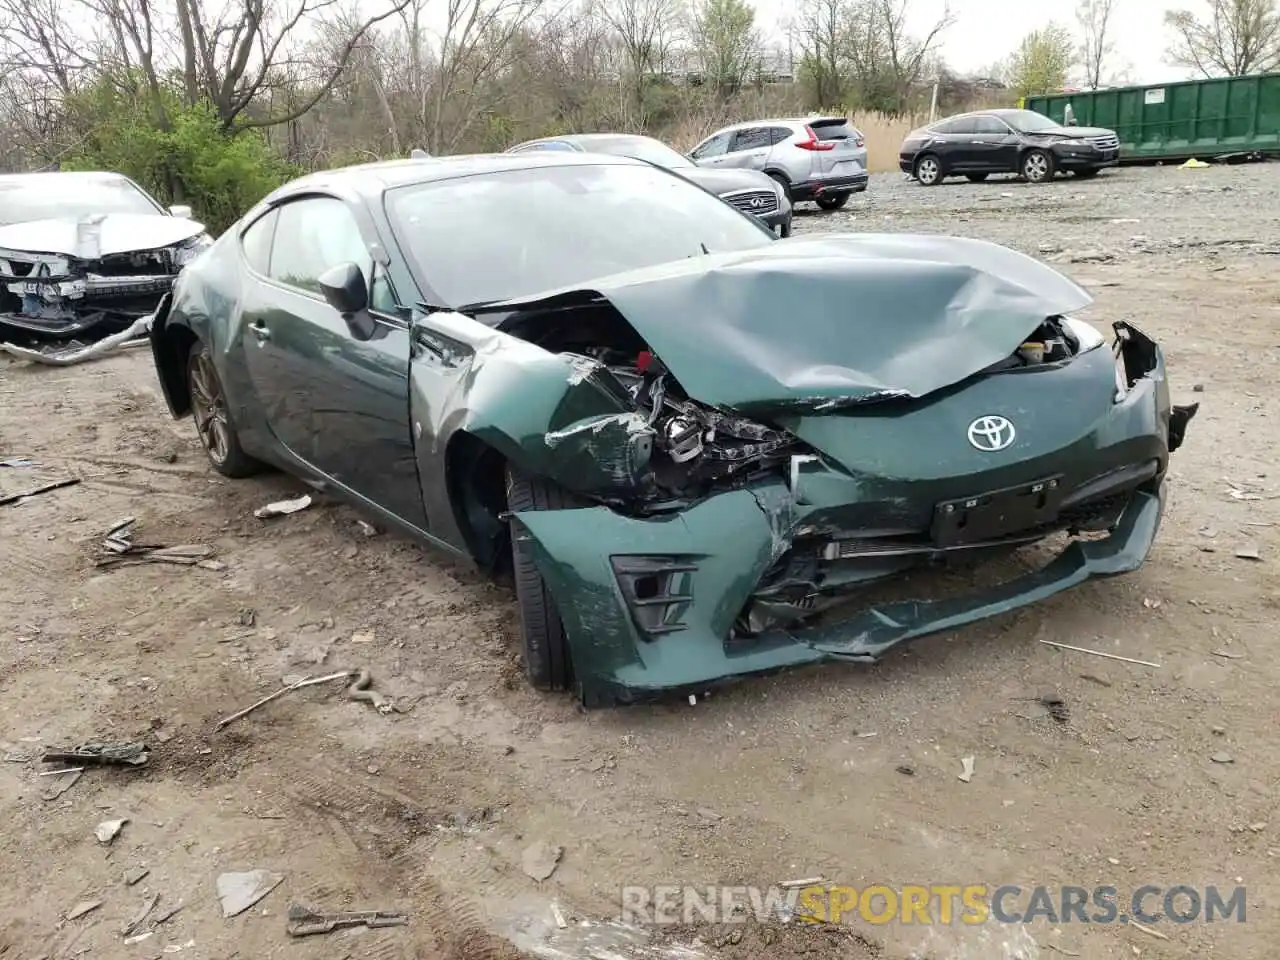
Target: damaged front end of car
[[96, 276], [741, 485]]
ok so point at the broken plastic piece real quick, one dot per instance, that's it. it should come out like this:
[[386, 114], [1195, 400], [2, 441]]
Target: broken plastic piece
[[283, 507], [304, 922]]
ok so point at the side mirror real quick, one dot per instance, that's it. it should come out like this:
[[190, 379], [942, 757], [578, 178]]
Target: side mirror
[[180, 210], [345, 290]]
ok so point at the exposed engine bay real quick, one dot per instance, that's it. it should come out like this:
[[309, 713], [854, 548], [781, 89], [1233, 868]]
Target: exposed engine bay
[[677, 448]]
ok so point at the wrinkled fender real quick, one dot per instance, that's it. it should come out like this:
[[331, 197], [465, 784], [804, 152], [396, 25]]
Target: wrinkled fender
[[171, 374]]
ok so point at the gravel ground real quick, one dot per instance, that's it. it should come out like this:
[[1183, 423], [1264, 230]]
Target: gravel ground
[[1163, 775]]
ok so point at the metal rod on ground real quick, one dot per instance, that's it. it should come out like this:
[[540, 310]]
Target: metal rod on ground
[[56, 485], [309, 682], [1099, 653]]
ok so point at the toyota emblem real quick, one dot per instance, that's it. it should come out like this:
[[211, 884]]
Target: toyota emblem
[[757, 202], [991, 433]]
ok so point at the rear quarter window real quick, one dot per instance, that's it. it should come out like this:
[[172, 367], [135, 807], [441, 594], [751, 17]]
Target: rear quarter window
[[833, 130]]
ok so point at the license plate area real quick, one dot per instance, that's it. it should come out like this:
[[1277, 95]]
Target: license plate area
[[997, 513]]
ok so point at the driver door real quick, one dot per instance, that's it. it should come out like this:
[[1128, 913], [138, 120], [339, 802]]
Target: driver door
[[339, 404], [712, 152]]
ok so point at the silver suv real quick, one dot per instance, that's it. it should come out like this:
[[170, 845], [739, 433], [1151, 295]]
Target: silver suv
[[823, 159]]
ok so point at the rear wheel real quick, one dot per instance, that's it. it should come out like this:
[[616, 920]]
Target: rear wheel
[[212, 416], [546, 650], [929, 170], [832, 201], [1037, 166], [976, 177]]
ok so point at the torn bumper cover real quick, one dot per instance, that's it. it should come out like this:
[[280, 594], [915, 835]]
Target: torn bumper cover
[[753, 580]]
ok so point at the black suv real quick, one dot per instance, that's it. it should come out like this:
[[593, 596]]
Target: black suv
[[1024, 142]]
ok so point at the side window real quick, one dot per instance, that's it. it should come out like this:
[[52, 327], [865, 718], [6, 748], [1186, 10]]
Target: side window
[[752, 138], [256, 242], [382, 298], [715, 147], [992, 126], [778, 135], [945, 127], [313, 235], [545, 145], [964, 125]]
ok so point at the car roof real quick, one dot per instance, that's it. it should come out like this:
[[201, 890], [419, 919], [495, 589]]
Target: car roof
[[376, 178], [47, 176]]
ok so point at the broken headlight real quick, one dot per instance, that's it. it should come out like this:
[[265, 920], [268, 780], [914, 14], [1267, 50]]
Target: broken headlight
[[187, 251]]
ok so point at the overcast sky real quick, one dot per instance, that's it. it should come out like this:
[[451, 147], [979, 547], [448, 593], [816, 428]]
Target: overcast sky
[[986, 31]]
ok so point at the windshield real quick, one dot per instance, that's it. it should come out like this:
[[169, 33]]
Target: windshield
[[516, 233], [1028, 121], [48, 198], [639, 148]]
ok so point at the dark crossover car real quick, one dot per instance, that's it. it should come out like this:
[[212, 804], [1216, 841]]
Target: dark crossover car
[[84, 252], [749, 190], [689, 441], [1024, 142]]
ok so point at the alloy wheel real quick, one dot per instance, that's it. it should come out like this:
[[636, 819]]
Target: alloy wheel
[[1036, 167], [927, 171], [209, 408]]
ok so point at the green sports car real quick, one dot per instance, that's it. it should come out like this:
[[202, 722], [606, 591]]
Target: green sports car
[[689, 443]]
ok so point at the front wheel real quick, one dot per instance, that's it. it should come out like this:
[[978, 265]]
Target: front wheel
[[832, 202], [212, 416], [1037, 166], [545, 647], [784, 183], [929, 170]]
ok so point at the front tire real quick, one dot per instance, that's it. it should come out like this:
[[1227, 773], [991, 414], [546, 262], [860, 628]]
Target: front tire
[[834, 202], [784, 183], [545, 647], [212, 416], [929, 170], [1037, 166]]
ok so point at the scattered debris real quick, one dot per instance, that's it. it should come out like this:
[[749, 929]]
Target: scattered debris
[[282, 508], [905, 770], [141, 915], [1223, 758], [63, 783], [556, 912], [133, 754], [237, 892], [108, 830], [36, 491], [1134, 923], [136, 875], [58, 773], [540, 860], [139, 937], [179, 947], [305, 922], [1093, 677], [1062, 950], [1227, 655], [1248, 552], [1046, 707], [122, 550], [307, 682], [1099, 653], [800, 884], [83, 907], [367, 529], [135, 335], [362, 636], [967, 773], [359, 690], [18, 462], [166, 915]]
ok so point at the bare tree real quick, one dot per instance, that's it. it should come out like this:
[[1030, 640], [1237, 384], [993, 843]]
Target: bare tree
[[1094, 17], [647, 30], [822, 36], [906, 55], [1238, 37], [727, 42]]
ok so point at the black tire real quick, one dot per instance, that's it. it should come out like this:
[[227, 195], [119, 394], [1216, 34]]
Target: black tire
[[1036, 166], [546, 650], [928, 170], [975, 177], [784, 183], [833, 202], [213, 418], [1088, 173]]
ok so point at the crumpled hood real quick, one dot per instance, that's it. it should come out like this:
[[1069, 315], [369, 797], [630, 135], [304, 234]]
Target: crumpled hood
[[99, 236], [828, 321]]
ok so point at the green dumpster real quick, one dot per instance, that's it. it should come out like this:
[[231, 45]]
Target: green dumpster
[[1176, 121]]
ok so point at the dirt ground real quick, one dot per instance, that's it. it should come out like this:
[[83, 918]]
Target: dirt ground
[[1164, 775]]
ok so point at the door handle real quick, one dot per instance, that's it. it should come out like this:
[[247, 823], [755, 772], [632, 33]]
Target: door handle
[[260, 331]]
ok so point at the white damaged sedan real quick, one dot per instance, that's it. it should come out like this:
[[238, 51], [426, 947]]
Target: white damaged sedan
[[86, 252]]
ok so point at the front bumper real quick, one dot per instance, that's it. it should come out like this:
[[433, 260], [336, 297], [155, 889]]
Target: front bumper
[[1068, 157], [650, 605], [811, 189], [779, 221]]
